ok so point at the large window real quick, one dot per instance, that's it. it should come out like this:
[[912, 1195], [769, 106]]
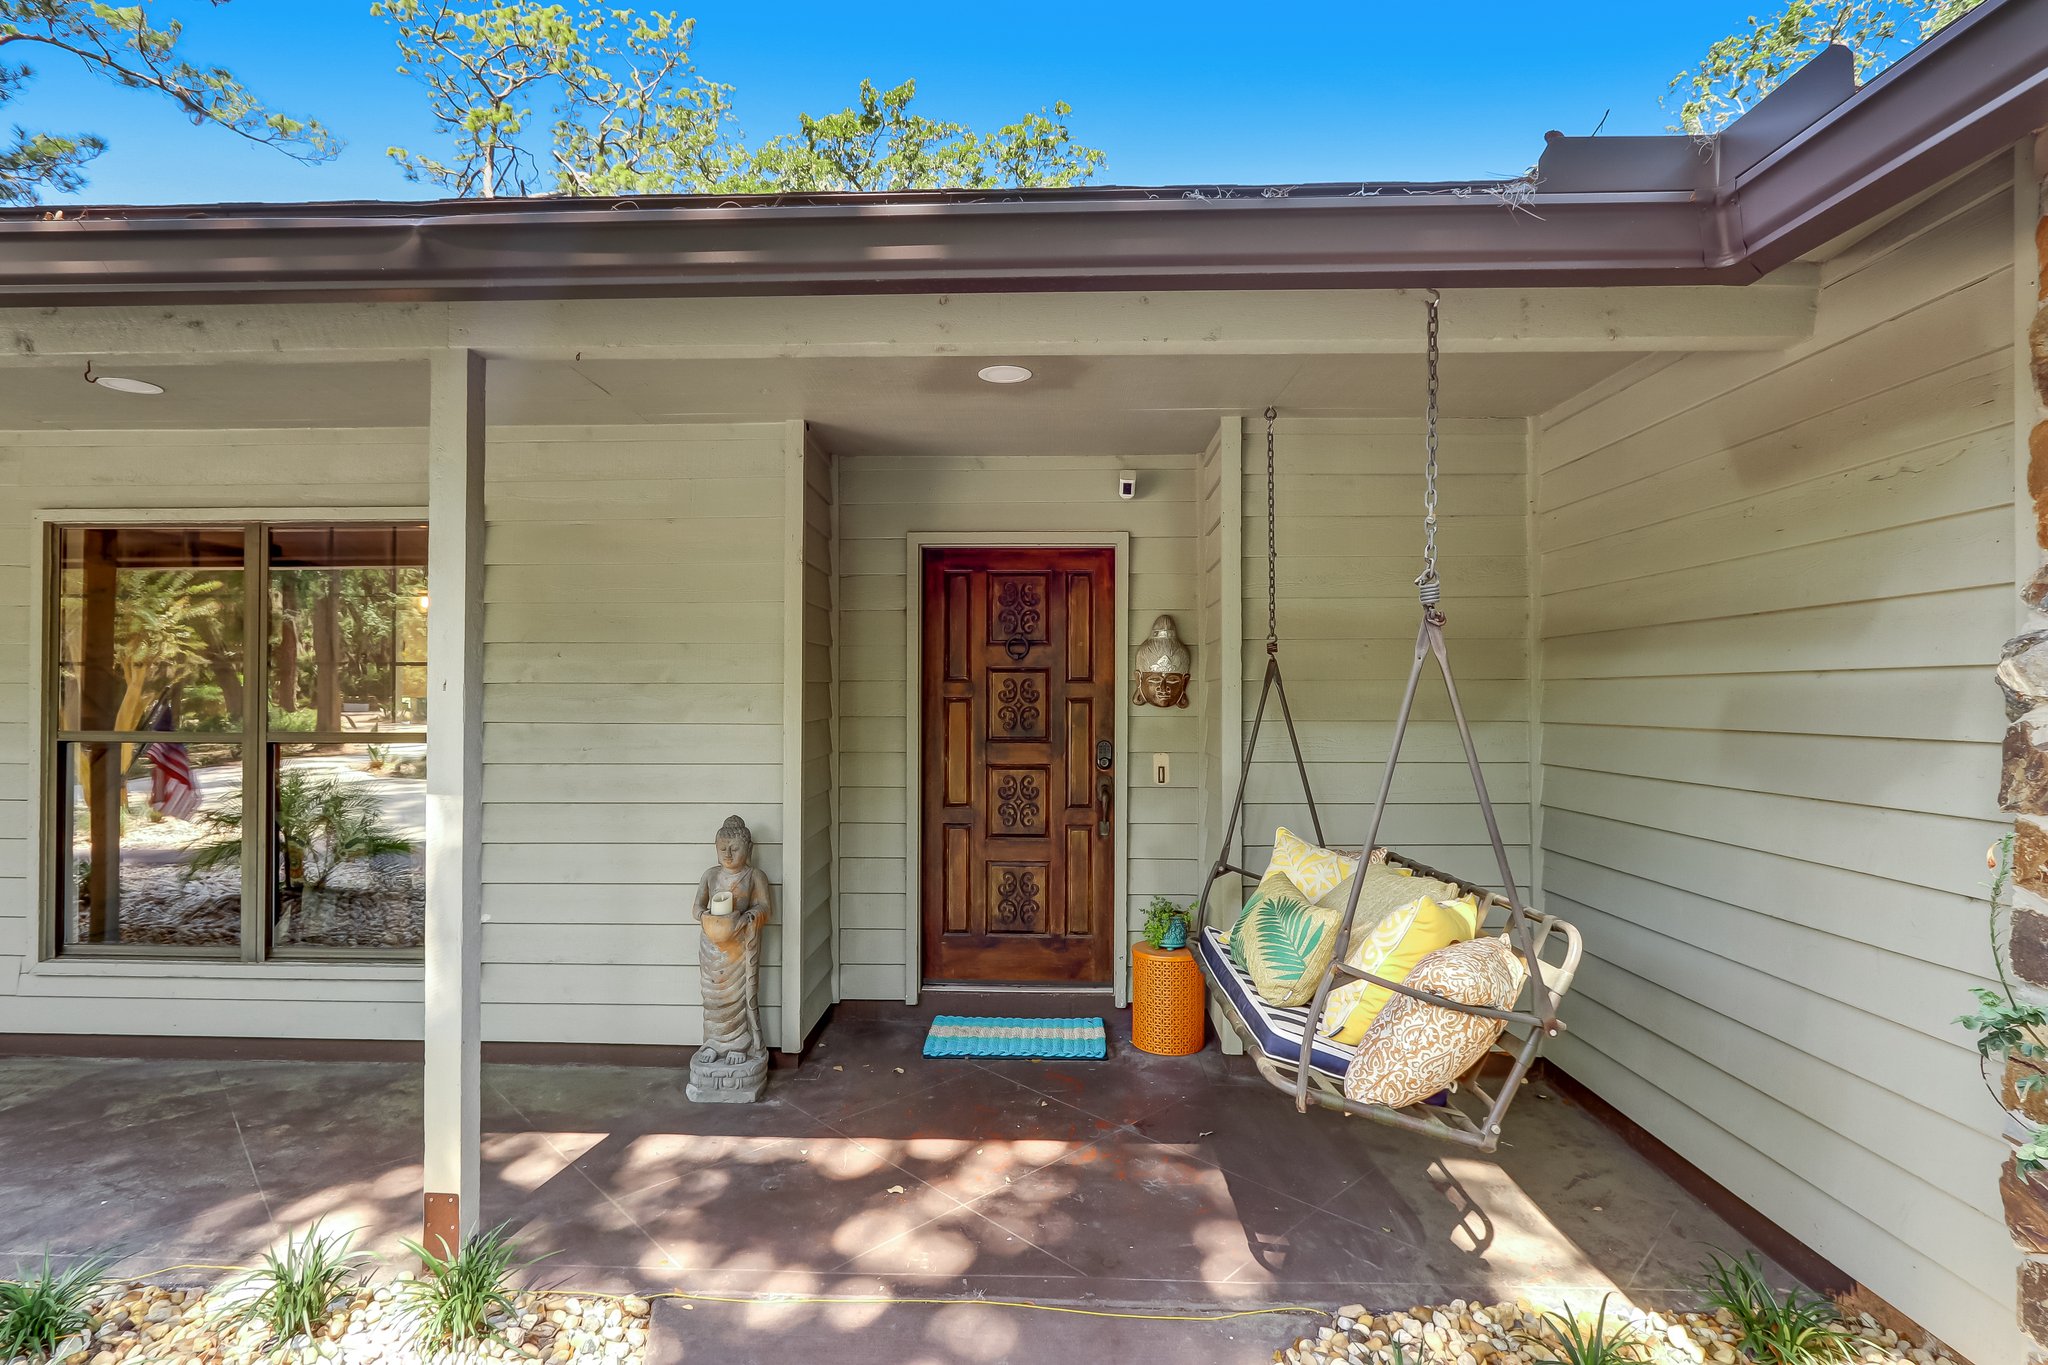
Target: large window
[[210, 799]]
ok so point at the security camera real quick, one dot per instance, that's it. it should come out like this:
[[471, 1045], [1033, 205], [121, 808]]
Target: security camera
[[1127, 484]]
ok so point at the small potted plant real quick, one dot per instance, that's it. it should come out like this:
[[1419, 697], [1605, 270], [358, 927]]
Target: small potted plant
[[1167, 993], [1166, 925]]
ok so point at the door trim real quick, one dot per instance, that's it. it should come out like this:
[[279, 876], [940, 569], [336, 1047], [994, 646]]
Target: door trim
[[1118, 543]]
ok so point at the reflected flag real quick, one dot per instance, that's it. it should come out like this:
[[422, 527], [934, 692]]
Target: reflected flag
[[171, 788]]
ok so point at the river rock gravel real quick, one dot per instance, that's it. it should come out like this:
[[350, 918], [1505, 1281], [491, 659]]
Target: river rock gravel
[[1472, 1333], [139, 1324]]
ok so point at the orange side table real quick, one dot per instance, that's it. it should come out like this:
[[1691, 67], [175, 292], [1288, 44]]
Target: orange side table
[[1168, 1001]]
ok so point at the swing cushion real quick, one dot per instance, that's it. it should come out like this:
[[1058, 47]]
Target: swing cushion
[[1275, 1030], [1394, 948], [1284, 942], [1414, 1049]]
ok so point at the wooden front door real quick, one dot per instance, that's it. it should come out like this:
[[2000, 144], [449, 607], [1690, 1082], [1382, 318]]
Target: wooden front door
[[1019, 691]]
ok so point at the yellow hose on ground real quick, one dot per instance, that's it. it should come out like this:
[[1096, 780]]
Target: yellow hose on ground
[[815, 1299]]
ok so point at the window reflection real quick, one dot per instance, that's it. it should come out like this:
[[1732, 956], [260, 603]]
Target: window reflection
[[150, 628], [348, 628], [350, 848], [155, 708], [152, 834]]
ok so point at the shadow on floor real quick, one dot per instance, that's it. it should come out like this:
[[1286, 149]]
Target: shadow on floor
[[1139, 1183]]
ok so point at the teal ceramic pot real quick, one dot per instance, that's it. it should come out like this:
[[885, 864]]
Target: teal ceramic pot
[[1176, 935]]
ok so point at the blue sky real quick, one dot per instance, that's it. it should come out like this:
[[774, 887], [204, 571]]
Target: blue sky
[[1189, 92]]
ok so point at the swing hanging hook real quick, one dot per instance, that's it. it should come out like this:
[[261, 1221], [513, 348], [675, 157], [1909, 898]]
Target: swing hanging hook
[[1427, 585]]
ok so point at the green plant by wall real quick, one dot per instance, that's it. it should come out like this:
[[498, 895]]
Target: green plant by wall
[[453, 1302], [38, 1312], [2006, 1029], [1788, 1328], [293, 1290], [1160, 919], [1591, 1339]]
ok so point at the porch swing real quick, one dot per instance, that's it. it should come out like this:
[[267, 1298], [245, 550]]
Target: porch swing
[[1278, 1039]]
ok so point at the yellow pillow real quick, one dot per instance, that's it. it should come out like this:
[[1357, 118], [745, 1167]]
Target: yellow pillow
[[1391, 951], [1317, 871]]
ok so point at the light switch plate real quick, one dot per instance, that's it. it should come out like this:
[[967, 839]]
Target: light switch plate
[[1162, 769]]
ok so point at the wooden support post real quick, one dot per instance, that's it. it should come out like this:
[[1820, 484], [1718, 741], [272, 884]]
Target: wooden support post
[[454, 805], [796, 848]]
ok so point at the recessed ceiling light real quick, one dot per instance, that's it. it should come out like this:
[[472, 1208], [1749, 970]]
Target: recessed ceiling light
[[121, 383], [1004, 374]]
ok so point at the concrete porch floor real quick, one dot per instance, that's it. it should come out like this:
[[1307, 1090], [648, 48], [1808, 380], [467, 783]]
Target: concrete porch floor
[[1147, 1182]]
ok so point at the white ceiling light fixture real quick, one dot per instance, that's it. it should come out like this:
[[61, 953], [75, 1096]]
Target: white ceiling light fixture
[[120, 383], [1004, 374]]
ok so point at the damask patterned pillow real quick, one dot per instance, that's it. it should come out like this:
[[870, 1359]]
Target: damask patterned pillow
[[1414, 1049], [1284, 942]]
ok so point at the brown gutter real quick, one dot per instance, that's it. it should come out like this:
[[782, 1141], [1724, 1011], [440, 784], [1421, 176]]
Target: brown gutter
[[954, 247], [1815, 158], [1979, 87]]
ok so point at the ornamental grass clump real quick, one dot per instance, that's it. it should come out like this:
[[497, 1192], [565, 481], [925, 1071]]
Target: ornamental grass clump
[[39, 1312], [1789, 1328], [453, 1302], [292, 1291], [1572, 1338]]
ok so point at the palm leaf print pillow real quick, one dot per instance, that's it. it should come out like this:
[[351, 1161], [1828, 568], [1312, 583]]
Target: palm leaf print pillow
[[1284, 942]]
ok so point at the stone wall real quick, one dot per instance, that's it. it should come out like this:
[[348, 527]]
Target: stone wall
[[2023, 790]]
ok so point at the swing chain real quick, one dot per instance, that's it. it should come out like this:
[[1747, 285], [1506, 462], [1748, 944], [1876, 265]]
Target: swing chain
[[1426, 582], [1272, 591]]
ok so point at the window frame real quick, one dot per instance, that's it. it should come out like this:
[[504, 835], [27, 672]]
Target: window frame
[[45, 820]]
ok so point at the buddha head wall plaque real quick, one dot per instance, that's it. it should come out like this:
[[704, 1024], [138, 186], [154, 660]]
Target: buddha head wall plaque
[[1162, 667]]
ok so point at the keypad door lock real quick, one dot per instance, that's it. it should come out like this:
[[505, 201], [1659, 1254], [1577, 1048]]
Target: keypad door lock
[[1105, 755]]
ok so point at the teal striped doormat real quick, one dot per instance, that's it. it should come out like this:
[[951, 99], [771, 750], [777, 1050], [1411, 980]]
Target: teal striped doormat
[[965, 1035]]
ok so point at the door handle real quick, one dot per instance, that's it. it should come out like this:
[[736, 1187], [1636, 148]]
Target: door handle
[[1104, 794]]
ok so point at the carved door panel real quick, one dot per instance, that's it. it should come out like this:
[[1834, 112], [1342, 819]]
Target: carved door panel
[[1019, 688]]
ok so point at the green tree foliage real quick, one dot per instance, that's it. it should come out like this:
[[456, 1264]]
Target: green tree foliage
[[158, 640], [626, 103], [580, 98], [123, 44], [883, 146], [1742, 68]]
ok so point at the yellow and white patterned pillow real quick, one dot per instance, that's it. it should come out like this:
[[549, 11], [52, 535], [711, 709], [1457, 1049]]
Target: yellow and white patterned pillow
[[1414, 1049], [1388, 890], [1317, 871], [1394, 948]]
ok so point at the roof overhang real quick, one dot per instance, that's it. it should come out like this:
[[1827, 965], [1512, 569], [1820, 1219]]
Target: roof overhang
[[1814, 159]]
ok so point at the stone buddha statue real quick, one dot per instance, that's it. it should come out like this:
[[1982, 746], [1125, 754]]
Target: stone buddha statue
[[733, 906]]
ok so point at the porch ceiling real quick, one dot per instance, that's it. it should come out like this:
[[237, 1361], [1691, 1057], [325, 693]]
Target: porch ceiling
[[1121, 404]]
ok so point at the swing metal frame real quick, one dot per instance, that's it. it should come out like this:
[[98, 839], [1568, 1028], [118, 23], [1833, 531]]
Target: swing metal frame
[[1469, 1114]]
